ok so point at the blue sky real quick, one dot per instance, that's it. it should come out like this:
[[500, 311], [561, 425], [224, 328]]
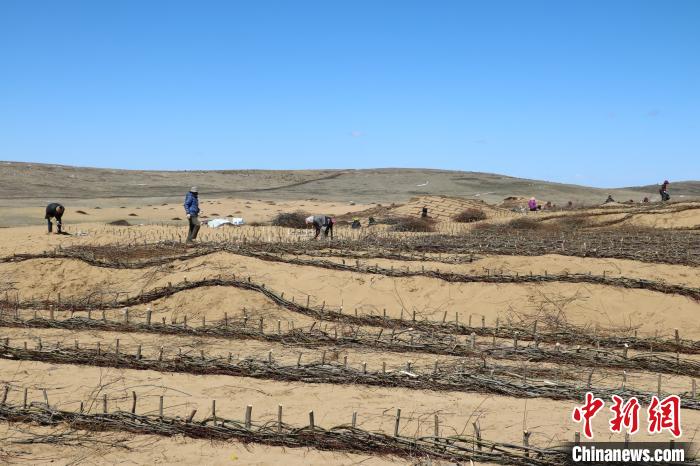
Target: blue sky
[[603, 93]]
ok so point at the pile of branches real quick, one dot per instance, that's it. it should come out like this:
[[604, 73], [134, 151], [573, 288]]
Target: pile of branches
[[404, 342], [412, 224], [291, 220], [470, 215], [440, 379], [561, 334], [343, 438]]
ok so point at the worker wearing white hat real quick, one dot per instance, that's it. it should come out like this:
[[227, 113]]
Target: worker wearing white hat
[[321, 223]]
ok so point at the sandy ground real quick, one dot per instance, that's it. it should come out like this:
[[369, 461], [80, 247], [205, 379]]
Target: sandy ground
[[501, 418], [124, 449], [147, 211], [583, 304]]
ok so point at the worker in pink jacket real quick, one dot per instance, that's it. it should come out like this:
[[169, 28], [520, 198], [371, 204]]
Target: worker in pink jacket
[[532, 204]]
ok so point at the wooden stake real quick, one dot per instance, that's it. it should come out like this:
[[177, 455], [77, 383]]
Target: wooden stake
[[354, 419], [311, 420], [248, 413], [279, 418], [133, 402], [526, 441], [477, 433], [398, 421]]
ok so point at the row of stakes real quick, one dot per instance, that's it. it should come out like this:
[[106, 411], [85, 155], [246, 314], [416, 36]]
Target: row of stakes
[[248, 422], [340, 310], [408, 367]]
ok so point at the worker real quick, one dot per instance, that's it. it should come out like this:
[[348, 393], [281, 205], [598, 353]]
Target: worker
[[532, 205], [355, 223], [55, 210], [321, 223], [192, 211], [664, 191], [609, 199]]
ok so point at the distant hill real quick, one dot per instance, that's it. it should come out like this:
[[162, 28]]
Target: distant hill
[[43, 181], [683, 188]]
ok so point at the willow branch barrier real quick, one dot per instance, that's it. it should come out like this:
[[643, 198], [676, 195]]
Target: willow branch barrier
[[453, 379], [562, 334], [342, 438], [403, 342]]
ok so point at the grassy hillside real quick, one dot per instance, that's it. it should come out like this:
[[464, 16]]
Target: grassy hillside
[[42, 181]]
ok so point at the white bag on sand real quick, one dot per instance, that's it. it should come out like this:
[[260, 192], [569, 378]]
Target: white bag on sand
[[217, 222]]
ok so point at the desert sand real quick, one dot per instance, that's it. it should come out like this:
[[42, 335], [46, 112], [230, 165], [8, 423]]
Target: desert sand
[[39, 284]]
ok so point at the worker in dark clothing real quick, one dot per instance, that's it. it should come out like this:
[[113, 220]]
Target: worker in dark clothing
[[664, 191], [55, 210], [192, 212], [321, 223]]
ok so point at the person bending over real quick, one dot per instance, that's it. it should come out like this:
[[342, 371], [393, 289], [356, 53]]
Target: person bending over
[[55, 210], [321, 223]]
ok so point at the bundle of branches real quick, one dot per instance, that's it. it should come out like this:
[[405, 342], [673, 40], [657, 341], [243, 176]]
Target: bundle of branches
[[431, 343], [456, 378], [470, 215], [345, 438], [413, 224], [291, 220]]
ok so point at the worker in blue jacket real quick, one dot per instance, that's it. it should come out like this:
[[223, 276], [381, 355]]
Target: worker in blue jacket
[[192, 212]]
